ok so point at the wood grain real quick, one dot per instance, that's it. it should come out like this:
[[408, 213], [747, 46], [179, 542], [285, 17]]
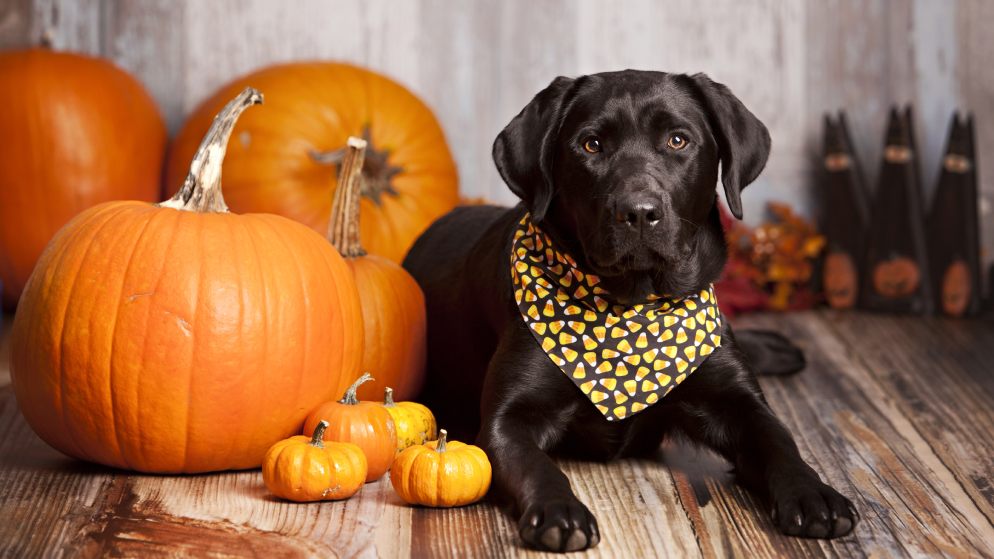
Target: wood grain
[[896, 412]]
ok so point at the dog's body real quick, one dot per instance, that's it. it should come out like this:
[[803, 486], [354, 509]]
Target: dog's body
[[619, 169]]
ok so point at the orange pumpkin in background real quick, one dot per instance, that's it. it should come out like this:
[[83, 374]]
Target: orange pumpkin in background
[[393, 306], [285, 162], [180, 337], [77, 131]]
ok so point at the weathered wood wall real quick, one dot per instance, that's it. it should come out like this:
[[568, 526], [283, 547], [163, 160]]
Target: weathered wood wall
[[478, 63]]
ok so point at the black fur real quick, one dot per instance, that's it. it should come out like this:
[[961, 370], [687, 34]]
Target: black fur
[[643, 216]]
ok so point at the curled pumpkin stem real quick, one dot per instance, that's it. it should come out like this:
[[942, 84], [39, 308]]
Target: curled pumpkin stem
[[343, 227], [317, 439], [350, 397], [201, 191], [388, 398], [440, 445]]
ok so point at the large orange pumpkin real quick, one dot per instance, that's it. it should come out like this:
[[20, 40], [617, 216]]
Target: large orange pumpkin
[[285, 162], [180, 337], [393, 306], [77, 131]]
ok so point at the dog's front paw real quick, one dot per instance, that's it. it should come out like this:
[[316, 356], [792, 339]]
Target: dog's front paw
[[808, 508], [559, 525]]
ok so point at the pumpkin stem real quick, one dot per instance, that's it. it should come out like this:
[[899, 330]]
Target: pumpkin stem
[[201, 191], [440, 445], [343, 228], [388, 398], [350, 397], [317, 439], [377, 172]]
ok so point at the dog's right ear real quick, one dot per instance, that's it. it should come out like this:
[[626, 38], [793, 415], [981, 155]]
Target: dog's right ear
[[523, 151]]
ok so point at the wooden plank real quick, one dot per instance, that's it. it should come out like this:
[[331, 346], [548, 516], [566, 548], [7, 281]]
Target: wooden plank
[[904, 433], [881, 437], [944, 387]]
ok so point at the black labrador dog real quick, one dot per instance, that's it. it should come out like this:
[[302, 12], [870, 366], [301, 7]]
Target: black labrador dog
[[619, 170]]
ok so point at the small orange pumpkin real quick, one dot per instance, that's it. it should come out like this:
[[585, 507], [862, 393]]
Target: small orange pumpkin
[[307, 469], [441, 473], [393, 306], [367, 424], [414, 422]]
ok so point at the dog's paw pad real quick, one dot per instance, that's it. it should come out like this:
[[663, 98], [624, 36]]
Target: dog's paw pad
[[811, 509], [559, 526]]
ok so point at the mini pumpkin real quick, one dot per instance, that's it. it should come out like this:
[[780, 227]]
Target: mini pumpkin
[[441, 473], [307, 469], [414, 422], [366, 424]]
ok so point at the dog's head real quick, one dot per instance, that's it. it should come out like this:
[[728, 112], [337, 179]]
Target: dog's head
[[620, 168]]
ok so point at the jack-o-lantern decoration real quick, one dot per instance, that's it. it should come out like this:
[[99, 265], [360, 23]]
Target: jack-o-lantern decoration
[[956, 289], [896, 278], [841, 282]]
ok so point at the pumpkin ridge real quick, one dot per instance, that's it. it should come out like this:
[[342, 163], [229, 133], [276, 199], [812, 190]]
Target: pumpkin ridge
[[114, 415], [191, 375], [305, 335], [263, 369], [67, 424], [236, 232], [178, 217], [28, 321]]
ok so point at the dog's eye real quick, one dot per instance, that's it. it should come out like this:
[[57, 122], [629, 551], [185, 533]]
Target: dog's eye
[[676, 142], [592, 145]]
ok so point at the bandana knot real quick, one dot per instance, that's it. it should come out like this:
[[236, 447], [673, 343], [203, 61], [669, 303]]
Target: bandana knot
[[624, 358]]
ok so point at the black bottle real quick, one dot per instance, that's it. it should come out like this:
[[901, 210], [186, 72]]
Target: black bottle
[[845, 215], [896, 272], [953, 225]]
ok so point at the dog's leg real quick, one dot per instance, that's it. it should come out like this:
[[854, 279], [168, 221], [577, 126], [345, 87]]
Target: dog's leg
[[769, 352], [523, 417], [722, 406]]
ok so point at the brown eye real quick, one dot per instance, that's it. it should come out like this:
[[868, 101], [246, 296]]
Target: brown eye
[[592, 145], [676, 142]]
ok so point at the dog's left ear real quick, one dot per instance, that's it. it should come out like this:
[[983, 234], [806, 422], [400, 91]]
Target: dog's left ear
[[743, 141], [523, 150]]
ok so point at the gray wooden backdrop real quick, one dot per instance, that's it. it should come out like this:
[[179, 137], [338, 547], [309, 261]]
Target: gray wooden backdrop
[[477, 63]]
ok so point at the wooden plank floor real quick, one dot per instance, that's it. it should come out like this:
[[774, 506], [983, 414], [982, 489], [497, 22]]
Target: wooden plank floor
[[897, 413]]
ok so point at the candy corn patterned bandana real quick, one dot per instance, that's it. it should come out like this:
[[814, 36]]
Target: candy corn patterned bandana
[[624, 359]]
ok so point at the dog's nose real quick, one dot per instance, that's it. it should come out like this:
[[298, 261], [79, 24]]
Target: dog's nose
[[638, 214]]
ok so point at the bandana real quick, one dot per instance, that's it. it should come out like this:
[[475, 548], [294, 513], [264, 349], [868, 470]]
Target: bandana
[[623, 358]]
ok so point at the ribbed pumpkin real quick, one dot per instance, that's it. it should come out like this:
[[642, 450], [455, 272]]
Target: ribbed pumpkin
[[308, 469], [393, 306], [414, 422], [180, 337], [441, 473], [285, 162], [366, 424], [77, 131]]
